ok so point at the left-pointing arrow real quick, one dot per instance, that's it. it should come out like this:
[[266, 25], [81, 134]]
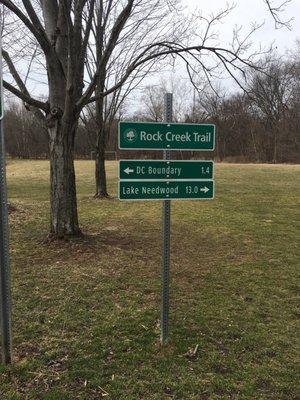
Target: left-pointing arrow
[[128, 170]]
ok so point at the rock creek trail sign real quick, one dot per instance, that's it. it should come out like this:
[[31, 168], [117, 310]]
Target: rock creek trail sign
[[166, 179], [168, 136], [165, 136]]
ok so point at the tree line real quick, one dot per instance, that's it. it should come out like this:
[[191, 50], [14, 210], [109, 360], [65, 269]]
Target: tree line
[[261, 125]]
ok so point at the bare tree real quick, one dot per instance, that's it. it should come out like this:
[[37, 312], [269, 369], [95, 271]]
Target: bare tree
[[26, 136], [62, 29], [152, 100], [62, 36], [152, 21], [271, 96]]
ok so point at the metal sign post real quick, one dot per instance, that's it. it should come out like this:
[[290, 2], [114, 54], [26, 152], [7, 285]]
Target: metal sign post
[[166, 239], [165, 179], [5, 281]]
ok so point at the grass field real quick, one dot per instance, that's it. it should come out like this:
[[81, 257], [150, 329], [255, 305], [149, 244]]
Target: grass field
[[86, 312]]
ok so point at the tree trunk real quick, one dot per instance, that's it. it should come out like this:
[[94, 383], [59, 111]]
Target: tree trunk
[[64, 218], [257, 157], [100, 173], [275, 146]]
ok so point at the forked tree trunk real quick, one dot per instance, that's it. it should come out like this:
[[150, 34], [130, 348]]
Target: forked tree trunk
[[64, 217]]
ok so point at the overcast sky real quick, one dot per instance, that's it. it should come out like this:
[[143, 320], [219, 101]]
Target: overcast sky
[[249, 11], [244, 14]]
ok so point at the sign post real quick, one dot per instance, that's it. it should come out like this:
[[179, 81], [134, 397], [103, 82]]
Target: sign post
[[5, 280], [164, 335], [166, 179]]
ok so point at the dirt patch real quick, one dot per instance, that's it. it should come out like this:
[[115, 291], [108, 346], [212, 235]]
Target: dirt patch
[[92, 242]]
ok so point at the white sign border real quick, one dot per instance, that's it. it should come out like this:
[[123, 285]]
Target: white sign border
[[168, 161], [164, 148], [169, 198]]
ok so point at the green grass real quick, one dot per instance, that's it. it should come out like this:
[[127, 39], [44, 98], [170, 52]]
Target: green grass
[[86, 312]]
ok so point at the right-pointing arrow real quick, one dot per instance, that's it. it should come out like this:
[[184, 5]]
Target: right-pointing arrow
[[205, 189]]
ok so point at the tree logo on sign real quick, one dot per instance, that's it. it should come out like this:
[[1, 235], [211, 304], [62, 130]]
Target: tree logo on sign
[[130, 135]]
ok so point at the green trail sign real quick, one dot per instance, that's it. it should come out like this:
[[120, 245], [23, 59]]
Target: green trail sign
[[165, 190], [169, 136], [167, 170]]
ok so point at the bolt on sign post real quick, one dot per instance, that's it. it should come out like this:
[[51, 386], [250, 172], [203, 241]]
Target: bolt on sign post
[[5, 281], [166, 179]]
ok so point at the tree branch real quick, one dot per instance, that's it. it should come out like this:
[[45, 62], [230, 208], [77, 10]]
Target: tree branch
[[275, 10], [115, 33], [173, 49], [27, 99], [15, 73], [88, 28], [41, 38]]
